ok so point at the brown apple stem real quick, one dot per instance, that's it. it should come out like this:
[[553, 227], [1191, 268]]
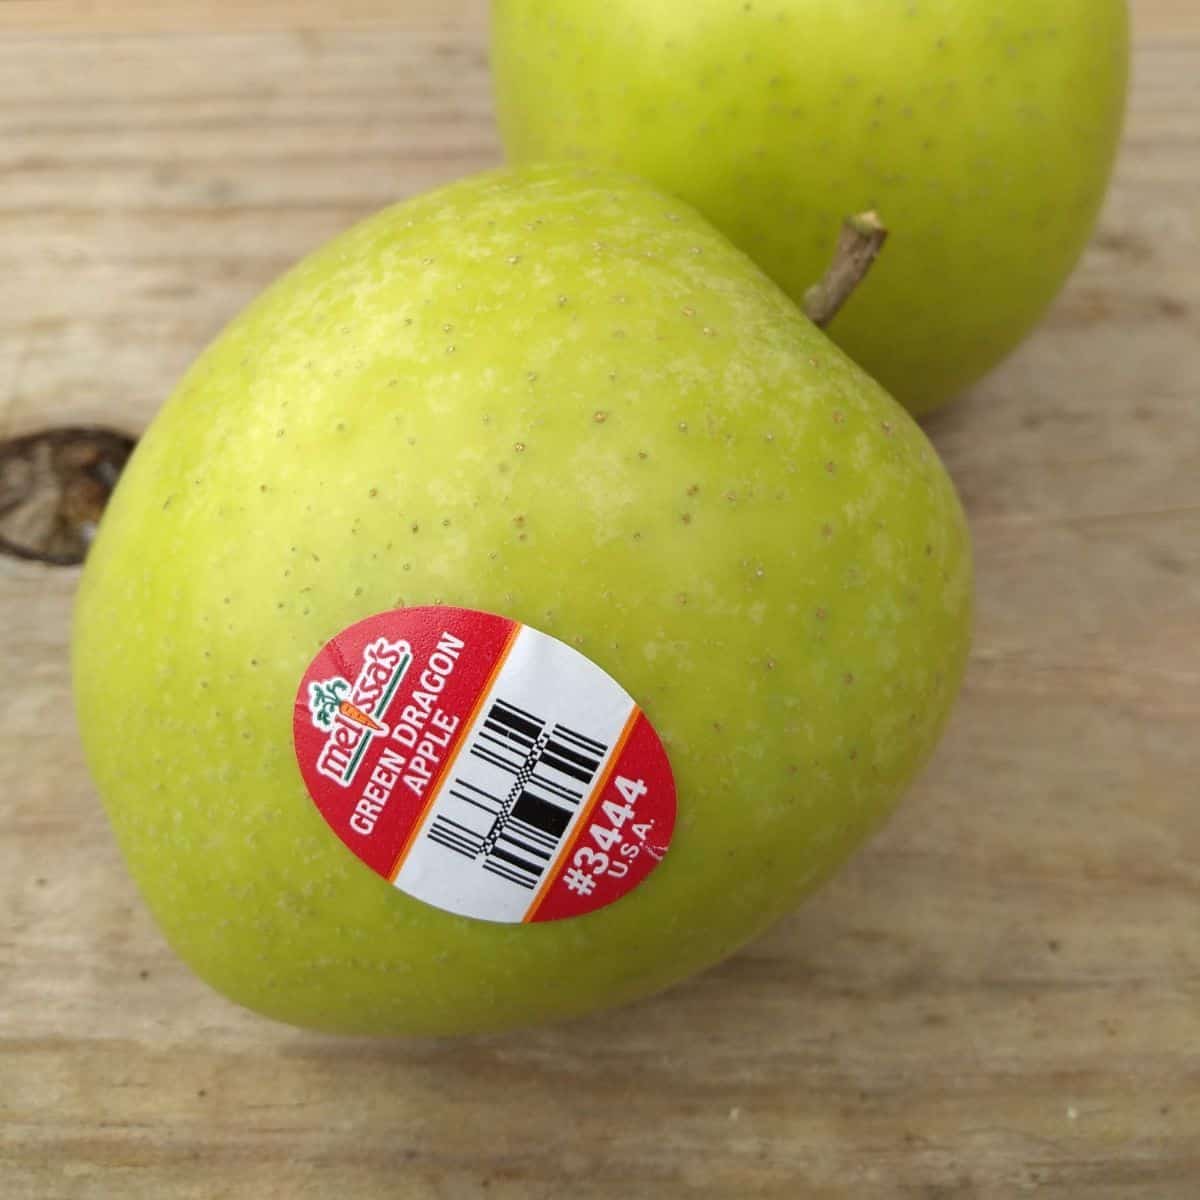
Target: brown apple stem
[[861, 238]]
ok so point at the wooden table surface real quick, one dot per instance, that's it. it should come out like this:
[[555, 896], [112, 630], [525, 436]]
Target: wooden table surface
[[1000, 996]]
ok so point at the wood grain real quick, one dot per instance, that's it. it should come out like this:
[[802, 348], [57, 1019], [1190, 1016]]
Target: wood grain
[[1000, 996], [143, 16], [205, 16]]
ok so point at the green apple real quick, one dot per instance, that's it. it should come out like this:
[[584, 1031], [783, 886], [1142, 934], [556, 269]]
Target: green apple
[[983, 132], [557, 395]]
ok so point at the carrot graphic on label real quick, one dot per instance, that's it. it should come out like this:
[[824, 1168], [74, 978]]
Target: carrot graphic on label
[[326, 699], [347, 709]]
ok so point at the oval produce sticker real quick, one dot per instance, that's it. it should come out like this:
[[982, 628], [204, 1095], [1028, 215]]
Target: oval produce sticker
[[482, 766]]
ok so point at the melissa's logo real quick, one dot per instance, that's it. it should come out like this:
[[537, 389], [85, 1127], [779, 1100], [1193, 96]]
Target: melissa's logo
[[352, 714]]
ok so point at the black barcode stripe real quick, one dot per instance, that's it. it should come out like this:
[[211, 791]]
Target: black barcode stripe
[[571, 795], [540, 813], [502, 735], [485, 801], [506, 711], [464, 843], [533, 834], [513, 723], [559, 747], [508, 837], [488, 755], [503, 747], [522, 864], [582, 740], [512, 809], [583, 774], [507, 873]]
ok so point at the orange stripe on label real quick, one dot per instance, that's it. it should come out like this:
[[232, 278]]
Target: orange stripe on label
[[448, 769], [592, 800]]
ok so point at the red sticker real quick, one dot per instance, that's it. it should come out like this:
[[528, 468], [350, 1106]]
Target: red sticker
[[482, 766]]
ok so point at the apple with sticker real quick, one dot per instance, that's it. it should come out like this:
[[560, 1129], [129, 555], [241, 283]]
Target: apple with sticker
[[599, 607]]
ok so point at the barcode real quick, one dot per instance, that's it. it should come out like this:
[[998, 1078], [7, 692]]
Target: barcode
[[510, 803]]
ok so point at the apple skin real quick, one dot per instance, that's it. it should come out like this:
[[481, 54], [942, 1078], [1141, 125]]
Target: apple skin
[[558, 395], [983, 133]]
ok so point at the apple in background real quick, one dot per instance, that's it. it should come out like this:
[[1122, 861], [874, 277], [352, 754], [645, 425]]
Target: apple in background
[[983, 133], [557, 395]]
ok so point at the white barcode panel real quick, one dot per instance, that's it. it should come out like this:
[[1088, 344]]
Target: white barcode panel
[[542, 737]]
